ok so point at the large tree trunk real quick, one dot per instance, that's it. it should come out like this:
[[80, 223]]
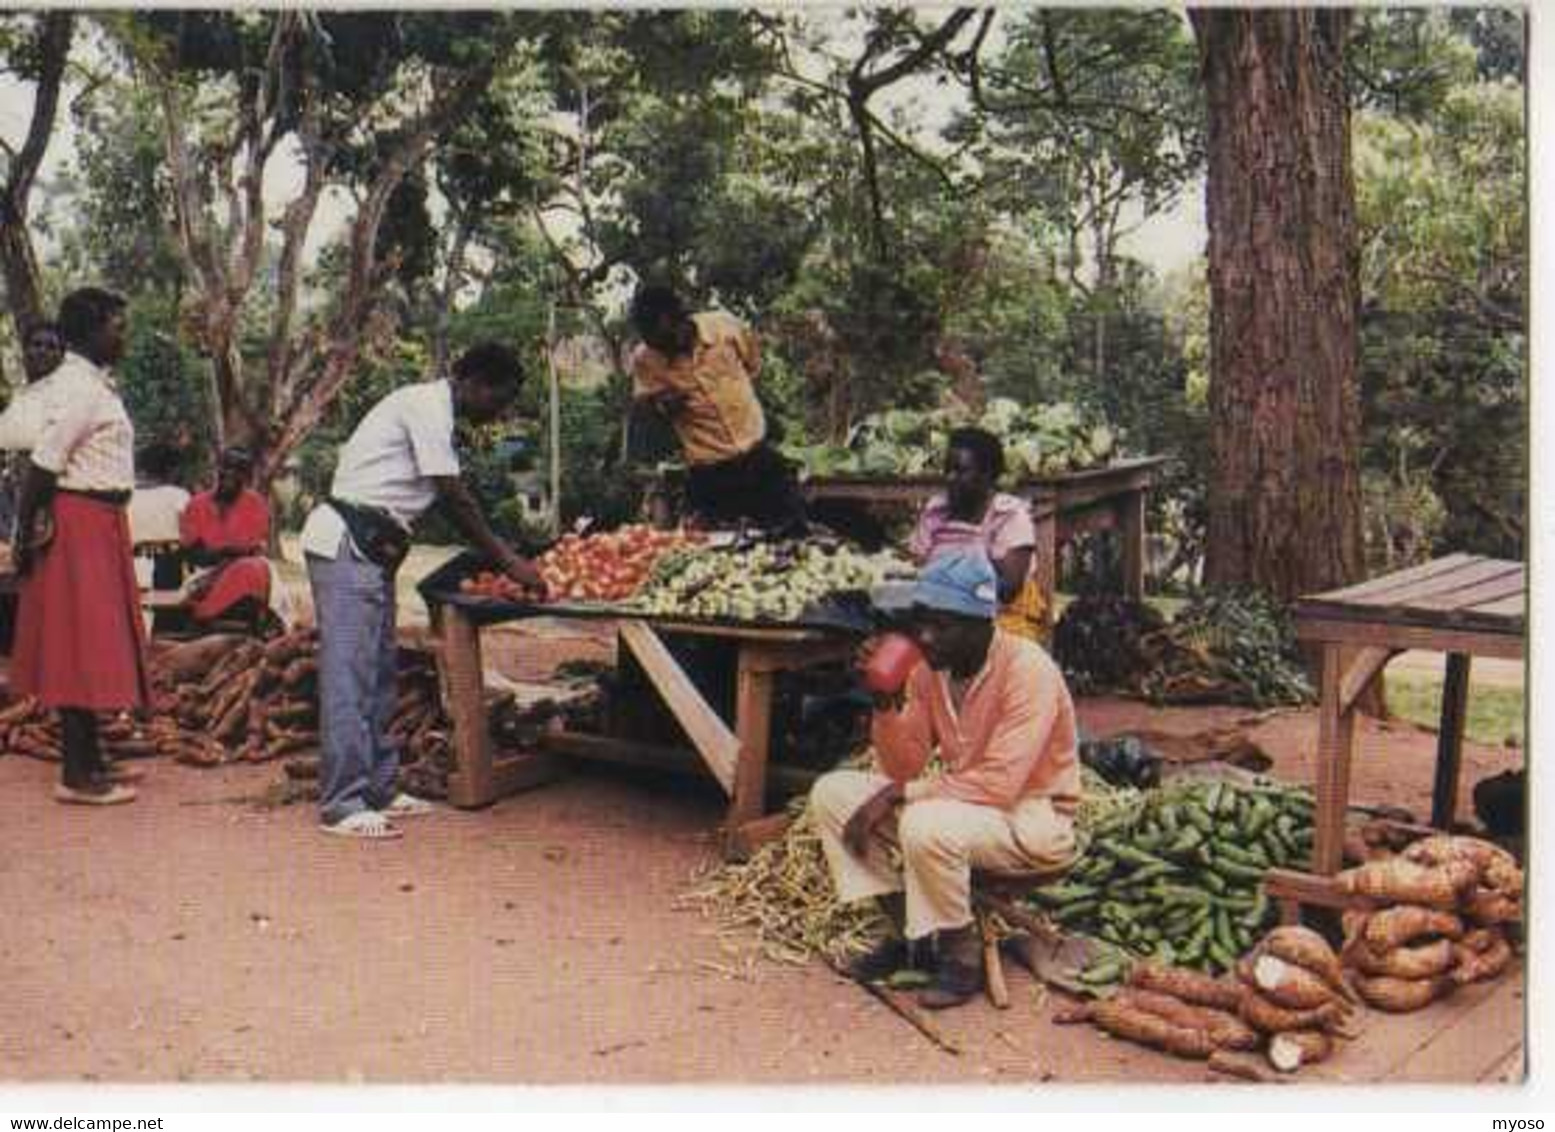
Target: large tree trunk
[[1284, 498]]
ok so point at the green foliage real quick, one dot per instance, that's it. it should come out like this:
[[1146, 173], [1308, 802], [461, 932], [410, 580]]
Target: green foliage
[[118, 226], [1406, 61], [715, 148], [1444, 236], [163, 382]]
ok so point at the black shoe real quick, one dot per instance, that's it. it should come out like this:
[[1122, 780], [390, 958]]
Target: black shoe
[[885, 959], [958, 970]]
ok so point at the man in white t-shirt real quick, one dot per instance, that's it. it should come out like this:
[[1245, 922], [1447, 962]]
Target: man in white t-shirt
[[396, 465]]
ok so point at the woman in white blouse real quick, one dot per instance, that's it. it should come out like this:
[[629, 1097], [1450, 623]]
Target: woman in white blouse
[[80, 642]]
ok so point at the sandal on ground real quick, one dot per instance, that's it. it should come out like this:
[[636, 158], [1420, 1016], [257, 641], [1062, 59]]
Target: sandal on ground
[[106, 795], [408, 806], [367, 825]]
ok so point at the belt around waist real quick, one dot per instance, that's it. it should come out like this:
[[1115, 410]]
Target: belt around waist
[[112, 498]]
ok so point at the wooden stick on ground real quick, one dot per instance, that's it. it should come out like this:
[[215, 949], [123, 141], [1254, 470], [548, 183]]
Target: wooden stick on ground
[[993, 972], [907, 1010]]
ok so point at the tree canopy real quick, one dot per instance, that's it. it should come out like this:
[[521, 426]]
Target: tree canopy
[[910, 204]]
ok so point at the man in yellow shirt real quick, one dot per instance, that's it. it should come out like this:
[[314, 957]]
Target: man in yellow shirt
[[699, 370]]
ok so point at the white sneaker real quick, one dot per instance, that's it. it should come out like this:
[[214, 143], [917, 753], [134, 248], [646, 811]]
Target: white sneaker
[[366, 825], [408, 806]]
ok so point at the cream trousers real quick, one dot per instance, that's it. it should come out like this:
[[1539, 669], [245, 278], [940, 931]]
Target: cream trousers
[[941, 841]]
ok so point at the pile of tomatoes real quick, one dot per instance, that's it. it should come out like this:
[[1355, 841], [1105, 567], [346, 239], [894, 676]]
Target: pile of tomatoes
[[497, 586], [610, 566], [605, 567]]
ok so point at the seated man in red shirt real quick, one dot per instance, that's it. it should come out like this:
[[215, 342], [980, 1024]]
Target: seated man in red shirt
[[227, 529], [994, 707]]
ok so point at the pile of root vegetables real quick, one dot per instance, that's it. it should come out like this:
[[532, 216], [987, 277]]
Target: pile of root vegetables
[[237, 699], [1287, 999], [1436, 918], [1439, 921]]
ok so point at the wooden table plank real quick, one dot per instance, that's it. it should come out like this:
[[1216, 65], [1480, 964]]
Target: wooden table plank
[[1425, 570], [1507, 607], [1476, 1028], [709, 734], [1513, 583], [1504, 639], [1439, 585]]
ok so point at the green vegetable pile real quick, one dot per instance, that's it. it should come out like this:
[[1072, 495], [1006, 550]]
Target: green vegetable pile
[[1039, 440], [1251, 645], [772, 581], [1223, 647], [1178, 879]]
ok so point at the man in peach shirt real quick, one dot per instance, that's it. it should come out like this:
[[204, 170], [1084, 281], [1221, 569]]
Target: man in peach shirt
[[995, 709]]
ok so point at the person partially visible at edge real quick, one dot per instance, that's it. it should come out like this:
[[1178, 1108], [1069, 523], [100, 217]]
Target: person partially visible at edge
[[972, 512], [80, 642], [43, 349], [397, 464], [699, 371], [156, 505], [994, 707], [226, 529]]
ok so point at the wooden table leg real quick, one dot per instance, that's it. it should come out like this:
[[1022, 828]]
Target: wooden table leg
[[1449, 742], [1131, 516], [753, 725], [1336, 742], [459, 661]]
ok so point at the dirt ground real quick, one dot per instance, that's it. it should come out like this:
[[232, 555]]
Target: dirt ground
[[200, 935]]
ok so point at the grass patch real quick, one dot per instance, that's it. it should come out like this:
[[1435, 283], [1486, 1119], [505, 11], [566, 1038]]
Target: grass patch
[[1495, 712]]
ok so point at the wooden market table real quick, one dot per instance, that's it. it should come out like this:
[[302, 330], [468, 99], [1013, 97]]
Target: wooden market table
[[1462, 605], [737, 756], [1111, 497]]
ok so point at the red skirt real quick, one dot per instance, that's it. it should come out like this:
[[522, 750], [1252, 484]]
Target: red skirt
[[234, 581], [80, 640]]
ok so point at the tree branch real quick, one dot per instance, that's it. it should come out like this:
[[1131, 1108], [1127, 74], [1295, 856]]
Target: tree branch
[[358, 305], [54, 40]]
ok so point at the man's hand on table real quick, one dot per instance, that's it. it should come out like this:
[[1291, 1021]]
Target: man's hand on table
[[523, 571], [856, 834]]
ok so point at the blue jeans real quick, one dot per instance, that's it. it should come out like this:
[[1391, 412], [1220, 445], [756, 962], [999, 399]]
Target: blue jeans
[[353, 601]]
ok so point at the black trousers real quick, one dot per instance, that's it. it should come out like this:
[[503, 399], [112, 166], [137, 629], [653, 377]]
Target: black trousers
[[758, 487]]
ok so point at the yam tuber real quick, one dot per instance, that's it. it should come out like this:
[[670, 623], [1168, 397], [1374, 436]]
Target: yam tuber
[[1401, 996], [1290, 986], [1189, 986], [1422, 961], [1225, 1029], [1272, 1018], [18, 711], [1308, 950], [1394, 927], [1125, 1021], [1444, 847], [1398, 881], [1477, 966], [1480, 939], [1290, 1050], [1488, 907]]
